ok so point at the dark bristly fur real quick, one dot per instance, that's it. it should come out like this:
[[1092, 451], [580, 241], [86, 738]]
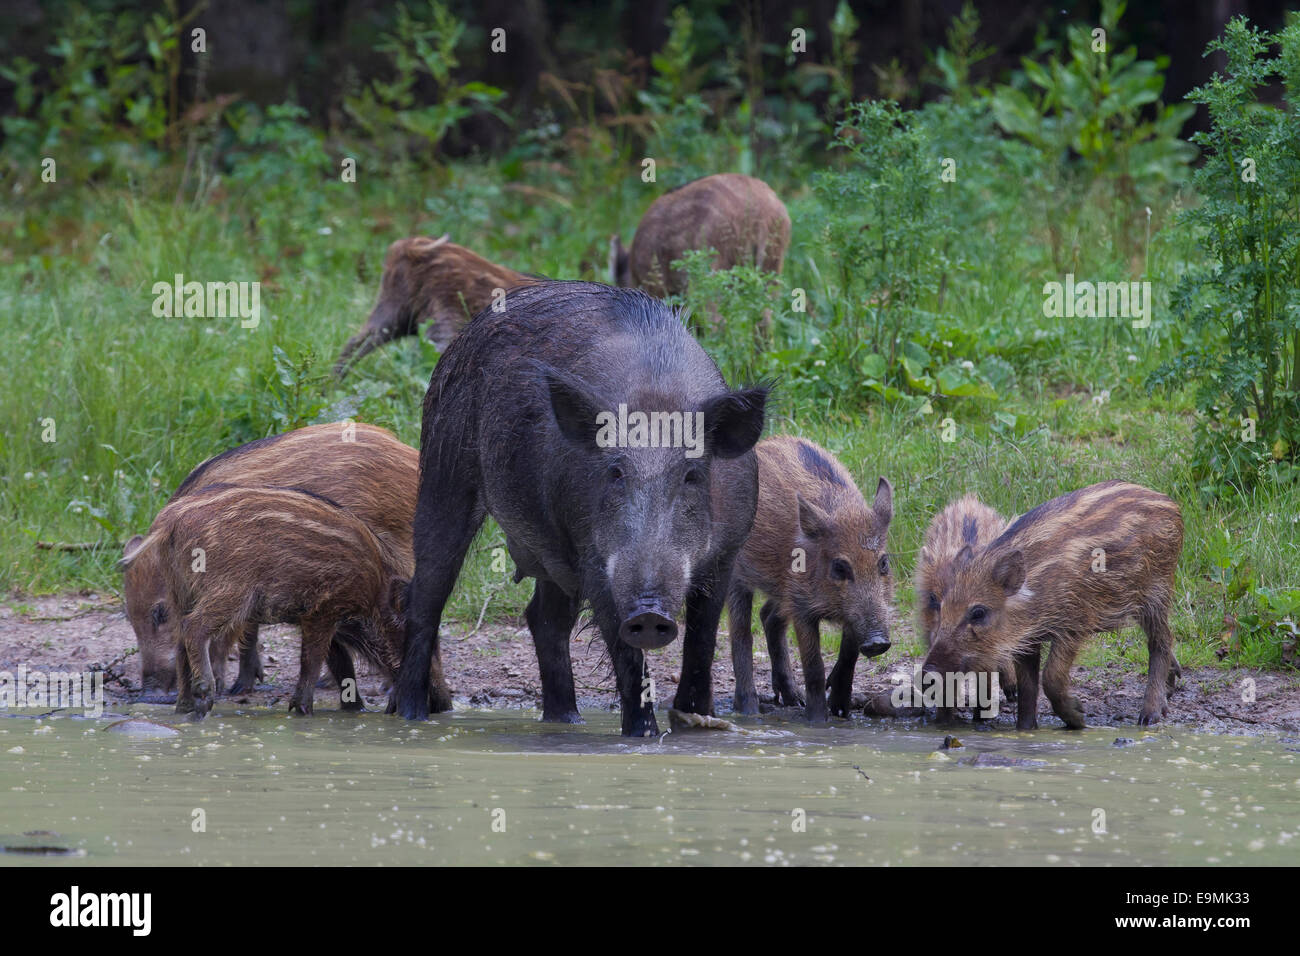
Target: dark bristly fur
[[807, 500], [1078, 565], [508, 430], [374, 476], [433, 281], [270, 556]]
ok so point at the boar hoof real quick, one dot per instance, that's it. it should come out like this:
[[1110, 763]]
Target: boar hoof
[[1150, 716], [298, 707], [439, 699], [562, 717], [816, 715], [787, 697], [1026, 721], [1072, 714], [745, 703], [840, 706]]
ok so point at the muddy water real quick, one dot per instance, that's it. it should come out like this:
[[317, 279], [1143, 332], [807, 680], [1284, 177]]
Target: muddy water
[[481, 787]]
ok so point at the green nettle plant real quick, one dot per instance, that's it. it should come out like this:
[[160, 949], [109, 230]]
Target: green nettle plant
[[1093, 120], [886, 220], [1248, 223]]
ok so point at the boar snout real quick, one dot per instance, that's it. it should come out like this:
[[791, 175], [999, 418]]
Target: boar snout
[[875, 644], [648, 628]]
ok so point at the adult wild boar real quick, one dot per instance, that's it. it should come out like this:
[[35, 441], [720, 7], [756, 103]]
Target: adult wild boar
[[362, 467], [428, 280], [270, 556], [738, 216], [819, 552], [591, 425], [1084, 563]]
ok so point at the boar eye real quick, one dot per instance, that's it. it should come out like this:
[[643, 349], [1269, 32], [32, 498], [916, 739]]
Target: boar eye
[[615, 474], [884, 564], [978, 614], [934, 601], [692, 476], [841, 570]]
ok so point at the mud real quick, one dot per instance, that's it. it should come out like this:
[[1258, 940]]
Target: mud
[[495, 667]]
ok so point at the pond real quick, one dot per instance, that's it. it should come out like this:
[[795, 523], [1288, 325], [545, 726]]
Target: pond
[[254, 787]]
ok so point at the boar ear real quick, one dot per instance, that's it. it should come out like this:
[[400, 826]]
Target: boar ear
[[132, 545], [575, 408], [812, 520], [883, 506], [158, 614], [733, 422], [1009, 571]]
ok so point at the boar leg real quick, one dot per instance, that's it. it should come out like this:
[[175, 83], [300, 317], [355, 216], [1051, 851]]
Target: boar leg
[[196, 643], [551, 615], [808, 631], [1027, 688], [1162, 667], [250, 663], [703, 611], [638, 718], [1056, 681], [740, 608], [184, 682], [339, 662], [841, 679], [448, 513], [778, 649], [317, 637]]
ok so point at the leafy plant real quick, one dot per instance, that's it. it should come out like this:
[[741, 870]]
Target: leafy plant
[[421, 49], [1248, 223]]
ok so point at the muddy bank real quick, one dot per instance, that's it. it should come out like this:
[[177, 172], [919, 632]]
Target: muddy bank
[[496, 667]]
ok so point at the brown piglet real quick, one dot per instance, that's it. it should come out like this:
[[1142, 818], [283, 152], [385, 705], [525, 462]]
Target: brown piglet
[[1085, 563], [235, 556], [966, 522], [818, 551], [739, 217], [362, 467], [431, 281]]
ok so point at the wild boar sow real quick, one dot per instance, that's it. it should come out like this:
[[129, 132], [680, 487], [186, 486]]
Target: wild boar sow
[[363, 468], [967, 522], [431, 281], [1081, 564], [591, 425], [233, 557], [738, 216], [819, 552]]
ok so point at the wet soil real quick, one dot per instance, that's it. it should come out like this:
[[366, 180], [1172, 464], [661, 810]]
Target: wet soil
[[495, 667]]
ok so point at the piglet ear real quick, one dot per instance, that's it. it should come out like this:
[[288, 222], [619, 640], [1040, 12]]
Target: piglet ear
[[1009, 571], [575, 408], [962, 558], [883, 506], [812, 520], [733, 422]]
